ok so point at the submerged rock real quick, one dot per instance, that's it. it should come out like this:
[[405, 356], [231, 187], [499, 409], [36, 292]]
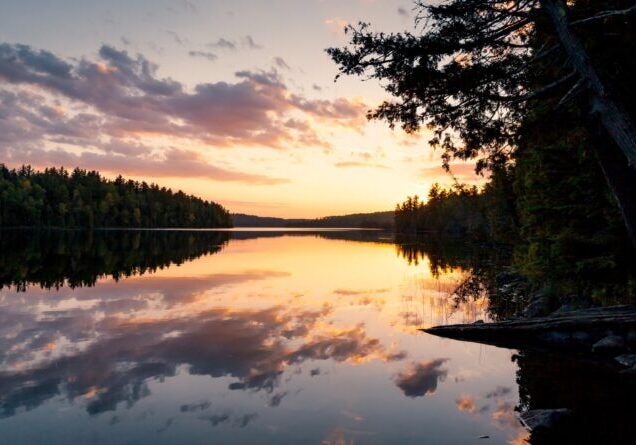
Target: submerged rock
[[542, 419], [609, 345]]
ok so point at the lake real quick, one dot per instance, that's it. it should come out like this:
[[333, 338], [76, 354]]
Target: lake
[[244, 337]]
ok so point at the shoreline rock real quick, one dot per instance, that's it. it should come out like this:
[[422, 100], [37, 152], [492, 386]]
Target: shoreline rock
[[604, 332]]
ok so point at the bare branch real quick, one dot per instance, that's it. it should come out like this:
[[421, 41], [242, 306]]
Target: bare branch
[[571, 93], [533, 94], [604, 15]]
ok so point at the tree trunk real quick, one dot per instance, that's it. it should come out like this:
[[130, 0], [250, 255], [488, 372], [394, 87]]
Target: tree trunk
[[621, 180], [616, 121]]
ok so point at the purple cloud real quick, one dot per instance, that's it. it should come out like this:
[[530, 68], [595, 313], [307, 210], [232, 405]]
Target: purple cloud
[[107, 106]]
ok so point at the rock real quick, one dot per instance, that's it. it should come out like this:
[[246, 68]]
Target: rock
[[557, 338], [537, 307], [609, 345], [540, 419], [628, 360], [582, 338], [575, 331], [564, 309]]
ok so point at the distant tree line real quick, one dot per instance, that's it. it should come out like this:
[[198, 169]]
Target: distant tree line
[[456, 212], [57, 197], [376, 220]]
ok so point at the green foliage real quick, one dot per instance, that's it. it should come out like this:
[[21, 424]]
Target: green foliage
[[59, 198], [455, 212], [460, 212], [574, 240], [495, 81]]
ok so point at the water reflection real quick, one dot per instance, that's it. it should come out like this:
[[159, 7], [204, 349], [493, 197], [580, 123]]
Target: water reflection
[[601, 399], [164, 337], [52, 259], [252, 347], [419, 379]]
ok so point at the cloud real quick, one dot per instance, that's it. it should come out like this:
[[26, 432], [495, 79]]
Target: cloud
[[50, 105], [403, 12], [204, 54], [231, 45], [251, 347], [499, 391], [251, 44], [223, 43], [419, 379], [466, 404], [193, 407], [505, 416], [188, 6], [174, 163], [464, 172], [348, 292], [280, 63], [176, 37], [277, 398], [336, 25], [245, 419]]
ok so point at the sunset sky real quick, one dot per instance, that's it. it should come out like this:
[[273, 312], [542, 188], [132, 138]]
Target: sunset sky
[[232, 101]]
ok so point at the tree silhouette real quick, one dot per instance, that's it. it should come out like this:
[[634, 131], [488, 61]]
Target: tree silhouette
[[478, 66]]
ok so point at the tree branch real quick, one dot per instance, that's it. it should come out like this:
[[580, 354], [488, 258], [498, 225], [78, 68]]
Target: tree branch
[[571, 93], [604, 15], [534, 94]]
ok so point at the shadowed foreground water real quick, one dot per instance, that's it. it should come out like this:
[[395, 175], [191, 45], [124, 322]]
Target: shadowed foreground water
[[213, 337]]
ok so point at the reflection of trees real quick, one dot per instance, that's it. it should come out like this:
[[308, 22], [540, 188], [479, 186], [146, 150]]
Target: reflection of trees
[[484, 264], [373, 235], [51, 259], [602, 400]]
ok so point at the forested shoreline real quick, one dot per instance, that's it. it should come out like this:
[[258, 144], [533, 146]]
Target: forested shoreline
[[57, 197], [539, 94]]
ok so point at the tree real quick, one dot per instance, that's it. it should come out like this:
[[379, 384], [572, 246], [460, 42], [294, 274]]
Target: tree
[[479, 65], [85, 199]]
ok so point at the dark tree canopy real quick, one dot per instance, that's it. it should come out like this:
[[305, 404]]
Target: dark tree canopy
[[475, 69], [471, 72], [56, 197]]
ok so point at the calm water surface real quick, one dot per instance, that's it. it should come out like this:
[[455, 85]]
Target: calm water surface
[[281, 338]]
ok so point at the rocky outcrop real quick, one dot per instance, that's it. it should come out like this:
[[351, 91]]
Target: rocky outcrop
[[608, 331]]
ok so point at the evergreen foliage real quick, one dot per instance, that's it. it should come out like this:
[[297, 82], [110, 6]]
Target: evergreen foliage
[[540, 94], [59, 198]]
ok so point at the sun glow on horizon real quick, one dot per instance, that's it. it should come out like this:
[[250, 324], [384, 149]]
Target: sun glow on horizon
[[247, 115]]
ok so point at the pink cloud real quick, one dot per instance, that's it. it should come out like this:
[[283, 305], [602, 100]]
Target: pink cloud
[[131, 100], [116, 104]]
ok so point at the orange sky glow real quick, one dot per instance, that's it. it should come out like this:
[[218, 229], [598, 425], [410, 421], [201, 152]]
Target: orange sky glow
[[231, 101]]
